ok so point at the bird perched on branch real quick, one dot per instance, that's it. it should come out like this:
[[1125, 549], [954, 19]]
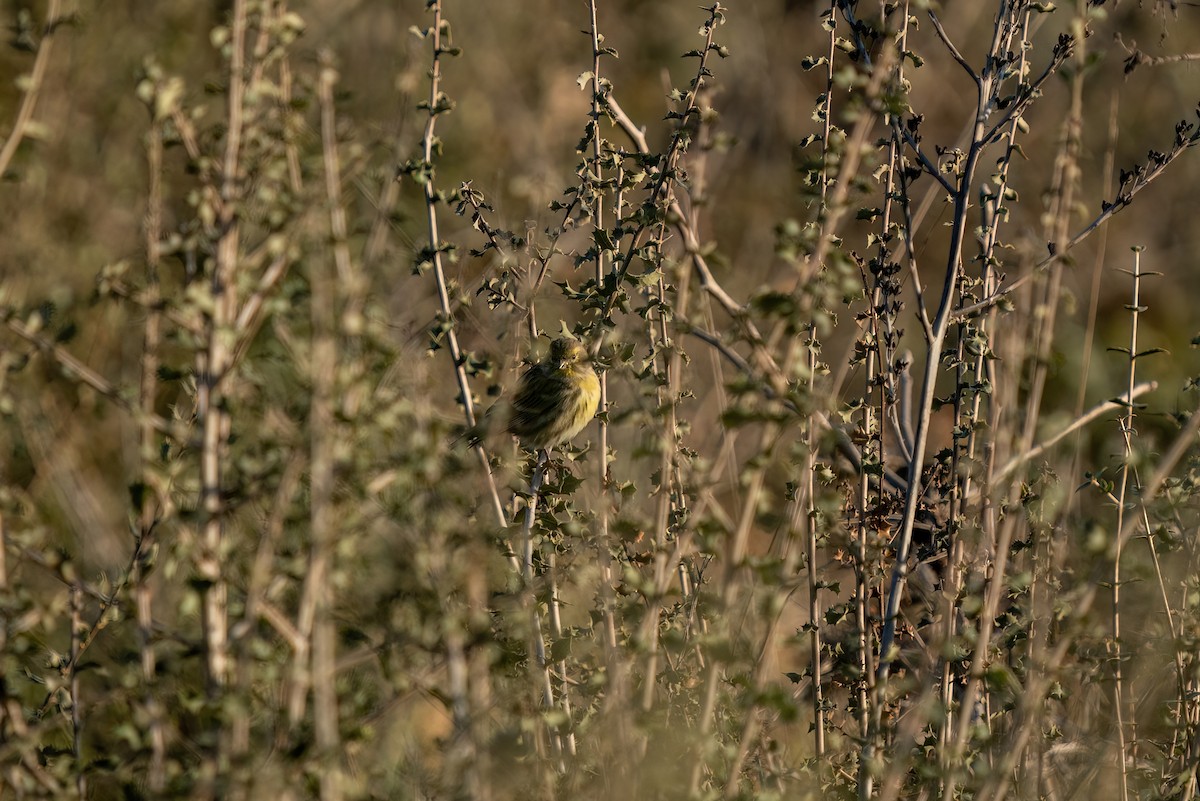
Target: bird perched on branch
[[556, 397]]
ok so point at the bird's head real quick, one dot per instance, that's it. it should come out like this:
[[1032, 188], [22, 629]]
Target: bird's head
[[567, 351]]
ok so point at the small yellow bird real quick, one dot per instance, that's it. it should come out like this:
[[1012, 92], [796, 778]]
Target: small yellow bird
[[556, 397]]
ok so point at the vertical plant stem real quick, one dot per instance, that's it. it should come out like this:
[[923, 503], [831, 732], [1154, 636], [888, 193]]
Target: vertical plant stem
[[437, 105], [994, 212], [78, 627], [461, 754], [212, 385], [323, 433], [601, 272], [1066, 181], [554, 610], [809, 527], [985, 88], [606, 270], [250, 318], [143, 593], [539, 668], [1089, 336], [213, 363], [1127, 433], [671, 497]]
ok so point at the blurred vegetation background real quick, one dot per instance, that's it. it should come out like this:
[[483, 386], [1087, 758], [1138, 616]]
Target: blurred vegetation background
[[75, 194], [419, 575]]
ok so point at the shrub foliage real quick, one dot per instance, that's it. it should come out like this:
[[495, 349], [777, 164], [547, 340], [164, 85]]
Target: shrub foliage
[[861, 516]]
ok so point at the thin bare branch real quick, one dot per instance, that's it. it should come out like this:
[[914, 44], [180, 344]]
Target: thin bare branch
[[29, 102], [962, 62]]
